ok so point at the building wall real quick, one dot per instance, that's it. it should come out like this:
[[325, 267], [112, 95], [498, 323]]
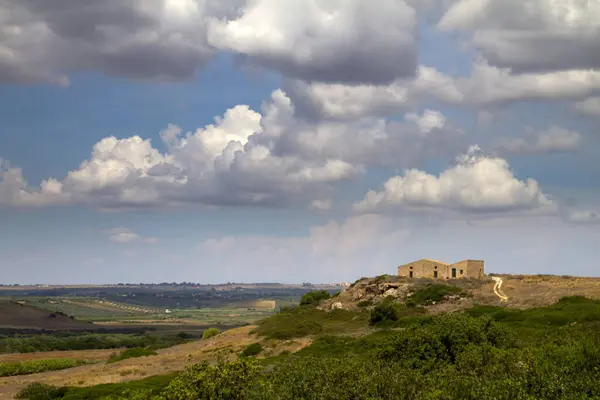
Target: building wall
[[427, 269], [424, 269]]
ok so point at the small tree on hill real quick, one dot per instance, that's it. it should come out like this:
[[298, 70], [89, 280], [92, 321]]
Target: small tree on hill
[[314, 297]]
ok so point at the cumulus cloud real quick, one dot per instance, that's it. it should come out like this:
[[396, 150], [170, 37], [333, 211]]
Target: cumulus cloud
[[156, 39], [530, 36], [589, 106], [170, 40], [477, 184], [485, 86], [125, 235], [552, 140], [230, 162], [363, 141], [339, 41]]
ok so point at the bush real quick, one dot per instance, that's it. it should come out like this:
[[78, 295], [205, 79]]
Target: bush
[[432, 293], [37, 366], [210, 332], [224, 381], [131, 353], [304, 321], [364, 303], [314, 297], [251, 350], [184, 335], [384, 313], [41, 391]]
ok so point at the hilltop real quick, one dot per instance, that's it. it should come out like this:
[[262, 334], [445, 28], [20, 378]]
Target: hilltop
[[18, 316], [523, 291]]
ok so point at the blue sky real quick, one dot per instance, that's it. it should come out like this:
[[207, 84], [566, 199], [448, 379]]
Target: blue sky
[[112, 171]]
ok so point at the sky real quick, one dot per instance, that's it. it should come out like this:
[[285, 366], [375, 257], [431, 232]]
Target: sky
[[300, 140]]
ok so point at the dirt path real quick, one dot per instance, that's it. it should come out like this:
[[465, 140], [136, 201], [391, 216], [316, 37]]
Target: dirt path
[[498, 288]]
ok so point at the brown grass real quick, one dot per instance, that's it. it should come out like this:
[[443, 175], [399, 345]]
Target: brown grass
[[228, 344]]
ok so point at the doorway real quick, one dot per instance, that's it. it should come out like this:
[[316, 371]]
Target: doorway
[[454, 272], [435, 274]]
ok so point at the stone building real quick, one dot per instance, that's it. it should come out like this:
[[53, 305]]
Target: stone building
[[427, 268]]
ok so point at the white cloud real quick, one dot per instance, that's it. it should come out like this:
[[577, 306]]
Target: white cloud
[[427, 122], [530, 36], [589, 106], [583, 217], [125, 235], [477, 184], [485, 85], [323, 40], [552, 140], [230, 162]]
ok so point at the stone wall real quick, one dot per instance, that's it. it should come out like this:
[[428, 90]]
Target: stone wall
[[433, 269], [424, 269]]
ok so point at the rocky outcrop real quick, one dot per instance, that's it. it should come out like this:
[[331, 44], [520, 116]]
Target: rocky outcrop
[[369, 291]]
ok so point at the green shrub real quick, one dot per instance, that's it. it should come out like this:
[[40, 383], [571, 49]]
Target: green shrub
[[251, 350], [184, 335], [82, 341], [364, 303], [314, 297], [41, 391], [210, 332], [431, 293], [131, 353], [304, 321], [224, 381], [37, 366]]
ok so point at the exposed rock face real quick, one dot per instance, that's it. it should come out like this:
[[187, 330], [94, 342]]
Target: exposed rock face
[[372, 290]]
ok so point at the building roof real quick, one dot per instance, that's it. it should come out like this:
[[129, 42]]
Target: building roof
[[435, 261]]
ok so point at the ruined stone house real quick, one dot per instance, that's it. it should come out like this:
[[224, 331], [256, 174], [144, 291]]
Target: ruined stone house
[[427, 268]]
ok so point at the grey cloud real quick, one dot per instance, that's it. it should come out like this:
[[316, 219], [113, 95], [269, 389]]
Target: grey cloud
[[552, 140], [535, 36]]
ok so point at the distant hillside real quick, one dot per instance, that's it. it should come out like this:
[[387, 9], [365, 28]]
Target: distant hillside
[[18, 316]]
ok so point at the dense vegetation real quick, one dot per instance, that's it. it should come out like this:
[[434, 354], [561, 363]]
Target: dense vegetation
[[134, 352], [210, 332], [64, 341], [36, 366], [433, 293], [314, 297], [483, 353], [252, 349], [296, 322]]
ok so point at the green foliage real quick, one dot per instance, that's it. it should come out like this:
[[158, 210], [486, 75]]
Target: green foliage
[[431, 293], [37, 366], [252, 349], [41, 391], [479, 354], [143, 389], [131, 353], [210, 332], [387, 313], [184, 335], [87, 341], [314, 297], [234, 380], [303, 321], [364, 303]]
